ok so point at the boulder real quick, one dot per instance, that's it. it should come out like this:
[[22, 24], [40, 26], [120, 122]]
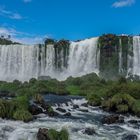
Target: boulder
[[130, 137], [61, 110], [68, 114], [42, 134], [113, 119], [84, 104], [35, 110], [89, 131], [83, 110], [75, 106]]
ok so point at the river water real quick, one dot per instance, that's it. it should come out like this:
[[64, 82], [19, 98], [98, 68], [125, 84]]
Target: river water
[[79, 120]]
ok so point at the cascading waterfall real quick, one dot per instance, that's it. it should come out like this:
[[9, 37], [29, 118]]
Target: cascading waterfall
[[23, 62], [83, 57], [136, 53]]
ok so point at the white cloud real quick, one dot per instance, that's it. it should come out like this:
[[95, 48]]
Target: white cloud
[[10, 14], [123, 3], [27, 1], [21, 37]]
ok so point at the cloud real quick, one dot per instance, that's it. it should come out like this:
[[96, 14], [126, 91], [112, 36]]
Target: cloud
[[123, 3], [27, 1], [10, 14], [24, 38]]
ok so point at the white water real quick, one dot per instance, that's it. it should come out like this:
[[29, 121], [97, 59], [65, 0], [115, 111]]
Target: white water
[[16, 130], [136, 58], [21, 62]]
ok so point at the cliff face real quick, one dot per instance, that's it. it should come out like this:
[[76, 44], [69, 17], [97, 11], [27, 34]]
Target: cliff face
[[114, 55]]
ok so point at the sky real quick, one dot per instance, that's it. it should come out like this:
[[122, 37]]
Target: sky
[[30, 21]]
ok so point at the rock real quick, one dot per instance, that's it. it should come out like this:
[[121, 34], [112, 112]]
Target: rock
[[52, 114], [45, 106], [68, 114], [83, 110], [133, 121], [130, 137], [66, 104], [42, 134], [61, 110], [112, 119], [75, 106], [89, 131], [84, 104], [35, 110]]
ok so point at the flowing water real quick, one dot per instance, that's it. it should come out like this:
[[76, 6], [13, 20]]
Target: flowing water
[[23, 62], [75, 124]]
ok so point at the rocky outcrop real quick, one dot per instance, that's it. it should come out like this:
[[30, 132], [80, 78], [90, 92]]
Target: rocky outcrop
[[113, 119], [42, 134], [35, 110], [61, 110], [89, 131]]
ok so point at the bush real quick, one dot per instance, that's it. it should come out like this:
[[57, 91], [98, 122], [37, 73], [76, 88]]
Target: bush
[[119, 103], [54, 135], [94, 100], [136, 108], [64, 135], [23, 115]]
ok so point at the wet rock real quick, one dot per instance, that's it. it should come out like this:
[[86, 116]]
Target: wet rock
[[84, 104], [61, 110], [83, 110], [130, 137], [75, 106], [68, 114], [35, 110], [133, 121], [89, 131], [45, 106], [66, 104], [113, 119], [52, 114], [42, 134]]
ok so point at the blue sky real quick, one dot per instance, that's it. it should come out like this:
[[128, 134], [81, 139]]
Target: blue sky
[[29, 21]]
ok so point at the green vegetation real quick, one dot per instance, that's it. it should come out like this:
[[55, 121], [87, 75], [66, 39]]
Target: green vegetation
[[121, 96], [112, 47], [6, 41], [55, 135]]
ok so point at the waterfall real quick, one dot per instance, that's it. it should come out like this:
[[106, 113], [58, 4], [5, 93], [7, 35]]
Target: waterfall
[[23, 62], [120, 56], [136, 53], [83, 57]]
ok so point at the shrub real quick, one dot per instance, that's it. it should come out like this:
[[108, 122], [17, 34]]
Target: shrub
[[64, 135], [94, 100], [54, 135], [23, 115], [120, 103]]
